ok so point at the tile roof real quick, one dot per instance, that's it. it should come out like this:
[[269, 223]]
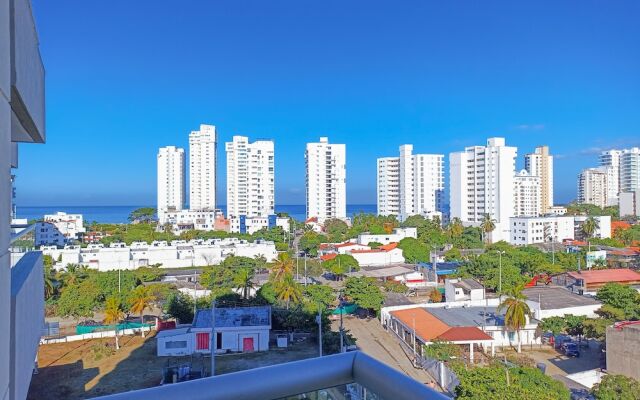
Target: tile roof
[[464, 333], [328, 257], [382, 249], [606, 275], [429, 328]]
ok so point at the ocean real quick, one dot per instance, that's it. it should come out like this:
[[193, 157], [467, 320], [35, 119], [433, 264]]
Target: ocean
[[119, 214]]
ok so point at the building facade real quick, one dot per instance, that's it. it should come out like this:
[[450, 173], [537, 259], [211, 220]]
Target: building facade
[[250, 177], [410, 184], [202, 168], [540, 164], [326, 180], [532, 230], [171, 180], [251, 225], [630, 204], [592, 186], [611, 159], [630, 170], [71, 226], [527, 195], [482, 182]]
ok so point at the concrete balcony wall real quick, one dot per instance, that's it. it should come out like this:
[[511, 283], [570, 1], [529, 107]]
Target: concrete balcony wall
[[27, 76], [27, 320]]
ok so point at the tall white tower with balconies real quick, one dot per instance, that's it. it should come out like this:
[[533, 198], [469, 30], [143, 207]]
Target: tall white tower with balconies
[[171, 179], [202, 168], [250, 177], [540, 164], [326, 186]]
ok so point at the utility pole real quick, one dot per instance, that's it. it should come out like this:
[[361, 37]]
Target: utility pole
[[305, 269], [319, 318], [195, 291], [341, 328], [500, 253], [415, 356], [213, 343]]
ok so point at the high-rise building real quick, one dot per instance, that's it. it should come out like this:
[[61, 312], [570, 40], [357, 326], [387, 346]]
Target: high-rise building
[[630, 170], [527, 195], [250, 177], [540, 164], [482, 182], [326, 180], [202, 169], [611, 158], [410, 184], [592, 186], [171, 179]]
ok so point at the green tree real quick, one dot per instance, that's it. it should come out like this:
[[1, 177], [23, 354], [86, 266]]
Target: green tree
[[310, 241], [140, 299], [282, 267], [622, 297], [575, 324], [596, 328], [555, 325], [442, 351], [243, 281], [341, 265], [287, 290], [487, 225], [113, 314], [180, 307], [453, 255], [414, 251], [617, 387], [50, 282], [364, 292], [73, 274], [589, 227], [455, 228], [517, 312], [318, 295], [79, 300], [336, 230], [143, 215]]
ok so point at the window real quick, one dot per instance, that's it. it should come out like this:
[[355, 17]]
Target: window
[[178, 344]]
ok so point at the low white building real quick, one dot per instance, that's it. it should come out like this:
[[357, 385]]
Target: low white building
[[178, 254], [395, 237], [531, 230], [242, 329], [557, 210], [184, 220], [383, 255], [463, 289], [47, 234], [251, 225], [70, 225], [555, 301]]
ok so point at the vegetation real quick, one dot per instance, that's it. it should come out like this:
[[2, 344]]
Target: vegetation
[[614, 387], [180, 306], [140, 299], [435, 296], [143, 215], [364, 292], [442, 351], [113, 314], [341, 265], [622, 300], [592, 210], [517, 312]]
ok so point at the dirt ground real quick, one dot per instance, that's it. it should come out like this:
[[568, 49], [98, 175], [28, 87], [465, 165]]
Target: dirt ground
[[72, 370]]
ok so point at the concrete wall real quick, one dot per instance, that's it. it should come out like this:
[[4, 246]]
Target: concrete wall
[[623, 351]]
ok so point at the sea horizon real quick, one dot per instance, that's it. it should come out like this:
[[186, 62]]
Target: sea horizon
[[120, 214]]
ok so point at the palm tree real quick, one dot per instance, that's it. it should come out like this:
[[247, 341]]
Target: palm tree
[[589, 228], [282, 266], [624, 235], [455, 228], [243, 281], [517, 311], [287, 289], [73, 274], [141, 299], [113, 314], [50, 282], [487, 225]]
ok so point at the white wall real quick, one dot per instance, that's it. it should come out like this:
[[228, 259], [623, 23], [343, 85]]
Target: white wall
[[318, 173], [379, 257], [397, 235]]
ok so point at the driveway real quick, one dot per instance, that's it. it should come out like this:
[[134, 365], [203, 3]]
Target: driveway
[[376, 342]]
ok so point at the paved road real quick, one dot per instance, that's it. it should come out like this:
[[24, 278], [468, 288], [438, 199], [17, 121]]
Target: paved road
[[376, 342]]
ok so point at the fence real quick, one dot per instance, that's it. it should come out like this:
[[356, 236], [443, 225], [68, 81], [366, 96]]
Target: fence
[[94, 335]]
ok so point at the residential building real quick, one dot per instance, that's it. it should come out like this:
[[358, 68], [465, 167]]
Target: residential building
[[588, 282], [251, 225], [482, 182], [630, 204], [326, 180], [22, 120], [410, 184], [592, 186], [71, 226], [459, 289], [527, 195], [387, 254], [250, 177], [603, 226], [171, 180], [623, 351], [540, 164], [202, 168], [630, 170], [48, 234], [240, 329], [553, 301], [533, 230], [556, 210], [394, 237], [177, 254], [611, 158], [201, 220]]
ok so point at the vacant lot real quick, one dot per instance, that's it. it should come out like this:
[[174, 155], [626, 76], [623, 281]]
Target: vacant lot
[[89, 368]]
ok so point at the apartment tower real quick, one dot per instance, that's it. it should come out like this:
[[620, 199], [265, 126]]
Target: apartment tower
[[592, 186], [326, 180], [527, 195], [202, 169], [630, 170], [482, 182], [171, 179], [410, 184], [540, 164], [250, 177]]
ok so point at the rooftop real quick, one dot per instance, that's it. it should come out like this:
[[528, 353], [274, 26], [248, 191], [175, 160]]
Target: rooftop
[[606, 275], [469, 316], [553, 297], [468, 284], [234, 317], [430, 326]]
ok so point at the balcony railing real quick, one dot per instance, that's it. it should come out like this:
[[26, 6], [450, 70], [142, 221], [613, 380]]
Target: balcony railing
[[27, 320], [294, 378]]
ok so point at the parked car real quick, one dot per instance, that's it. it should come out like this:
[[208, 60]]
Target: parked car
[[570, 349]]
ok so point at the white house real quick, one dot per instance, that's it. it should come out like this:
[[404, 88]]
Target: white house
[[70, 226], [531, 230], [463, 289], [397, 235], [554, 301], [383, 255], [251, 225], [603, 230], [242, 329]]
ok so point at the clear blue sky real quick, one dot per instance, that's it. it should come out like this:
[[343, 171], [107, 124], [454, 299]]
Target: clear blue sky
[[126, 77]]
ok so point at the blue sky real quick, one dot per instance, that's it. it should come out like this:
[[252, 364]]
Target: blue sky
[[126, 77]]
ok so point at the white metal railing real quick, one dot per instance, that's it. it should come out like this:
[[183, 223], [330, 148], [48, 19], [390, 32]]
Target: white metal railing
[[294, 378]]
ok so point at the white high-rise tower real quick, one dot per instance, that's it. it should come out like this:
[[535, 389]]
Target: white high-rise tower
[[410, 184], [202, 169], [482, 182], [326, 180], [171, 180], [250, 177], [540, 164]]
